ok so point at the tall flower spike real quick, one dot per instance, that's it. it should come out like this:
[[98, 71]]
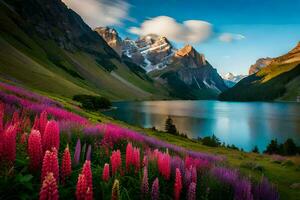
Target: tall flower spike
[[115, 194], [192, 191], [116, 162], [1, 116], [9, 143], [177, 185], [194, 175], [145, 184], [77, 152], [88, 153], [155, 190], [35, 151], [43, 122], [129, 155], [105, 174], [50, 164], [66, 166], [87, 172], [51, 136], [36, 123], [136, 159], [49, 189], [81, 187]]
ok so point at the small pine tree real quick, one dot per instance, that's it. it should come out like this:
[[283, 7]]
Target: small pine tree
[[289, 147], [170, 127], [255, 149], [273, 147]]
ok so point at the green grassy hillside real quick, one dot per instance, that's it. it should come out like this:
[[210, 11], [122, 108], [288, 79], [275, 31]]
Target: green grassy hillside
[[43, 63], [280, 80]]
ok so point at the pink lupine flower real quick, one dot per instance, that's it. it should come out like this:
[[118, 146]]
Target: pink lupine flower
[[49, 190], [105, 174], [50, 164], [129, 156], [15, 118], [116, 162], [1, 116], [66, 166], [177, 185], [145, 161], [9, 143], [164, 164], [155, 190], [43, 122], [35, 151], [194, 175], [51, 136], [36, 123], [89, 194], [192, 191], [145, 184], [81, 187], [136, 159], [188, 177], [87, 172]]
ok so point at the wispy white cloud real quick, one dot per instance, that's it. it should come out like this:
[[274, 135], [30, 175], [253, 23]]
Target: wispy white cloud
[[230, 37], [101, 12], [191, 31]]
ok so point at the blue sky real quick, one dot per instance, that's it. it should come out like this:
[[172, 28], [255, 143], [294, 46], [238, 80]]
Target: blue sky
[[264, 27]]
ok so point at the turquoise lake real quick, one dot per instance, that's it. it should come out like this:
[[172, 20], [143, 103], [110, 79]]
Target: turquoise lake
[[241, 124]]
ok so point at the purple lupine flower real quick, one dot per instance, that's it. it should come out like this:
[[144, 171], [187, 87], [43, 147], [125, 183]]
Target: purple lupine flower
[[194, 175], [145, 184], [88, 153], [192, 191], [265, 191], [155, 190], [188, 177], [77, 152], [242, 190]]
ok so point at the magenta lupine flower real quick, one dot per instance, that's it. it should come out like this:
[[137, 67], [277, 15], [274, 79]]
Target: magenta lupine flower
[[105, 174], [194, 174], [43, 122], [145, 184], [51, 136], [164, 165], [88, 152], [129, 156], [136, 159], [145, 161], [9, 143], [116, 162], [177, 185], [188, 177], [155, 190], [77, 152], [192, 192]]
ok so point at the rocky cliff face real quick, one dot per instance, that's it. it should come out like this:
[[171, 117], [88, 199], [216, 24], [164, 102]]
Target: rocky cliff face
[[112, 38], [190, 71], [260, 63]]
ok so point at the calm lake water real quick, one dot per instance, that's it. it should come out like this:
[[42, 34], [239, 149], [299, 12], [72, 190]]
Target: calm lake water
[[241, 124]]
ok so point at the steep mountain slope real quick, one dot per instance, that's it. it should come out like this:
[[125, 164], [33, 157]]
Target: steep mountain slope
[[280, 80], [190, 76], [46, 46]]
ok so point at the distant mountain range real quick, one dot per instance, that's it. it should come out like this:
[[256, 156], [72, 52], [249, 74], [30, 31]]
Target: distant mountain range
[[276, 79], [185, 72], [230, 79]]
